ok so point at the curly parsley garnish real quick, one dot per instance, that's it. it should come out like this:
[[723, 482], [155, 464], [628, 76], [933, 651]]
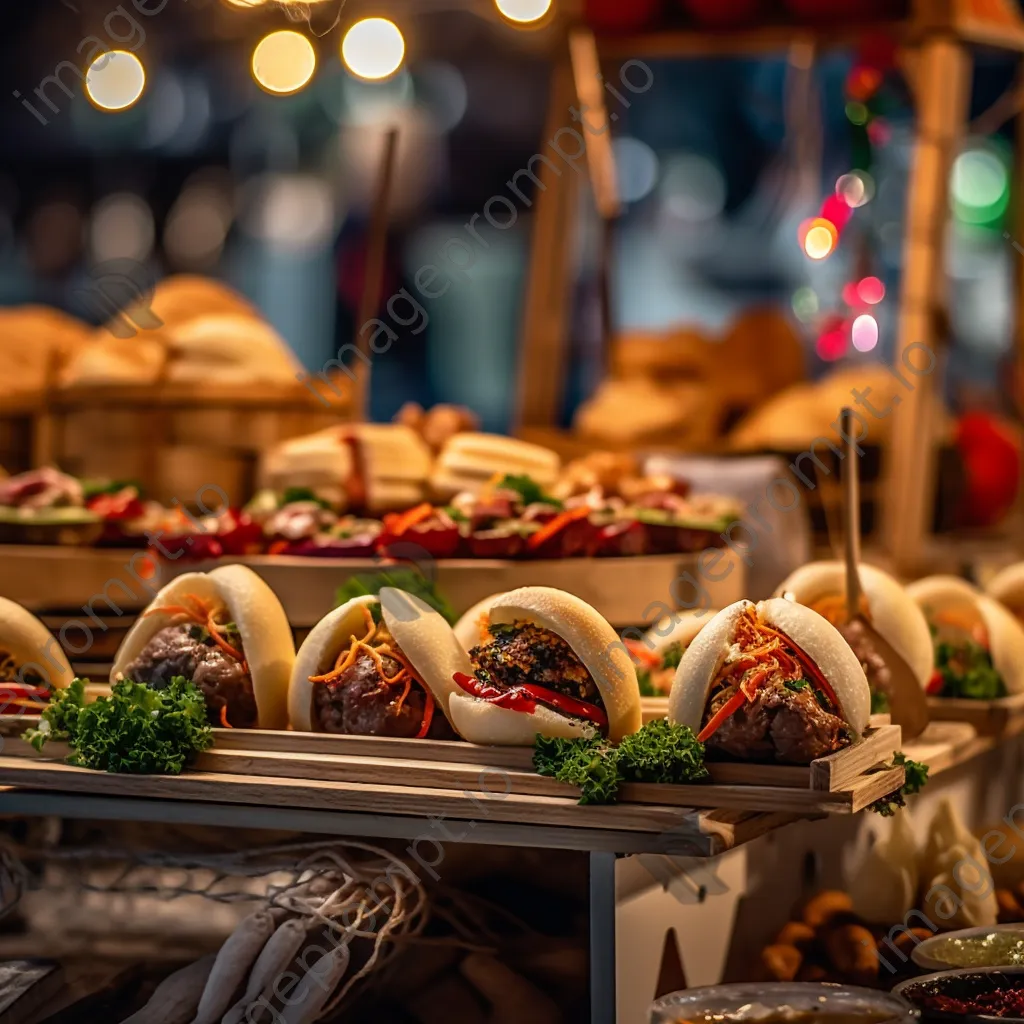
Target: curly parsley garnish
[[528, 489], [916, 777], [135, 730], [658, 752]]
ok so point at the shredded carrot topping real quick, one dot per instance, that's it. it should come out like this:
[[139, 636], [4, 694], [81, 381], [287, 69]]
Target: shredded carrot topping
[[224, 717], [377, 648]]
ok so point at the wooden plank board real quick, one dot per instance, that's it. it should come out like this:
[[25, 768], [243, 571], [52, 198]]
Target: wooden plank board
[[945, 745], [842, 769], [452, 752], [1002, 717], [345, 796], [623, 590]]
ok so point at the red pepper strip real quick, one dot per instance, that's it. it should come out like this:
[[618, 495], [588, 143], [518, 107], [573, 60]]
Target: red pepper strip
[[935, 684], [514, 700], [559, 523], [397, 525], [643, 654], [567, 705], [428, 716], [809, 667], [224, 717], [726, 711]]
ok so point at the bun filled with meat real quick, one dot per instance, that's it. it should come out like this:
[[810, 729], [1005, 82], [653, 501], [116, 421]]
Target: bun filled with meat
[[353, 677], [885, 604], [1007, 587], [224, 631], [659, 651], [979, 645], [31, 661], [549, 664], [772, 682]]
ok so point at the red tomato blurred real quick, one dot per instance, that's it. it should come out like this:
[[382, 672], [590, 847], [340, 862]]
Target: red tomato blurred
[[722, 13], [991, 453], [621, 15]]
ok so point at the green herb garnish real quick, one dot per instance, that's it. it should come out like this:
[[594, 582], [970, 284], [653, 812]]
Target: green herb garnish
[[528, 489], [409, 580], [967, 671], [796, 685], [658, 752], [672, 655], [916, 777], [296, 494], [95, 488], [454, 514], [880, 702], [647, 687], [135, 730]]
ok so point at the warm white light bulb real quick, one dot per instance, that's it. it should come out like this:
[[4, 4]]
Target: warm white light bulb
[[283, 62], [523, 11], [373, 48], [115, 80]]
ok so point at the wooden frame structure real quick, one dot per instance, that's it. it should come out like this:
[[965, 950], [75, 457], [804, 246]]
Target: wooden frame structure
[[935, 43]]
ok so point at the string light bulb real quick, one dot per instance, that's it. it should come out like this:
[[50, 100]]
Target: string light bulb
[[115, 80], [523, 12], [373, 49], [283, 62], [818, 238]]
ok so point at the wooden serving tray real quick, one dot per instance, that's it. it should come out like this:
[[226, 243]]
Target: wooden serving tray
[[1003, 717], [844, 782]]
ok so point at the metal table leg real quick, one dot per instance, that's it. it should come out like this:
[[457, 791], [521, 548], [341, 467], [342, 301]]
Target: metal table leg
[[602, 938]]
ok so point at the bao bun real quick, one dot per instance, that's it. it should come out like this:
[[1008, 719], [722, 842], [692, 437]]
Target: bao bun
[[320, 650], [468, 628], [815, 635], [262, 623], [1007, 587], [592, 639], [678, 628], [32, 645], [893, 613], [953, 596]]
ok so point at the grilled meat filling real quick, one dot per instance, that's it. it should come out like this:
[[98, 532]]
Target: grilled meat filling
[[780, 724], [11, 673], [190, 651], [875, 668], [770, 702], [371, 692], [523, 653]]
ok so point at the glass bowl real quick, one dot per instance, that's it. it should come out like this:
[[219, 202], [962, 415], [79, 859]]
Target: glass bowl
[[773, 1002], [965, 983]]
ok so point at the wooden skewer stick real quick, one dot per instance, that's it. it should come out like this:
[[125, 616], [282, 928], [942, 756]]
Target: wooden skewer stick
[[373, 282], [851, 517]]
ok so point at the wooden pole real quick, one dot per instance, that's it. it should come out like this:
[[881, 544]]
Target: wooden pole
[[373, 282], [942, 91], [596, 128], [545, 328]]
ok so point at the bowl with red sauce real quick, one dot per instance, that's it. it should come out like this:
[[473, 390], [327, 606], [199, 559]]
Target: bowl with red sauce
[[969, 994], [782, 1003]]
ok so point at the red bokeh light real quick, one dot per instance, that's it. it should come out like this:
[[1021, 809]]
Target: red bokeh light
[[870, 291]]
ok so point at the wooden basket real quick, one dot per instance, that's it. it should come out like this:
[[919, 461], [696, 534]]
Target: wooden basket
[[177, 439]]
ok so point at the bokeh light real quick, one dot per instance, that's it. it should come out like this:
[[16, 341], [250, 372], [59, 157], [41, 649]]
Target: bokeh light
[[637, 167], [373, 48], [115, 80], [855, 188], [870, 290], [856, 112], [818, 237], [523, 11], [121, 228], [831, 345], [864, 333], [692, 188], [805, 304], [979, 186], [283, 62]]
